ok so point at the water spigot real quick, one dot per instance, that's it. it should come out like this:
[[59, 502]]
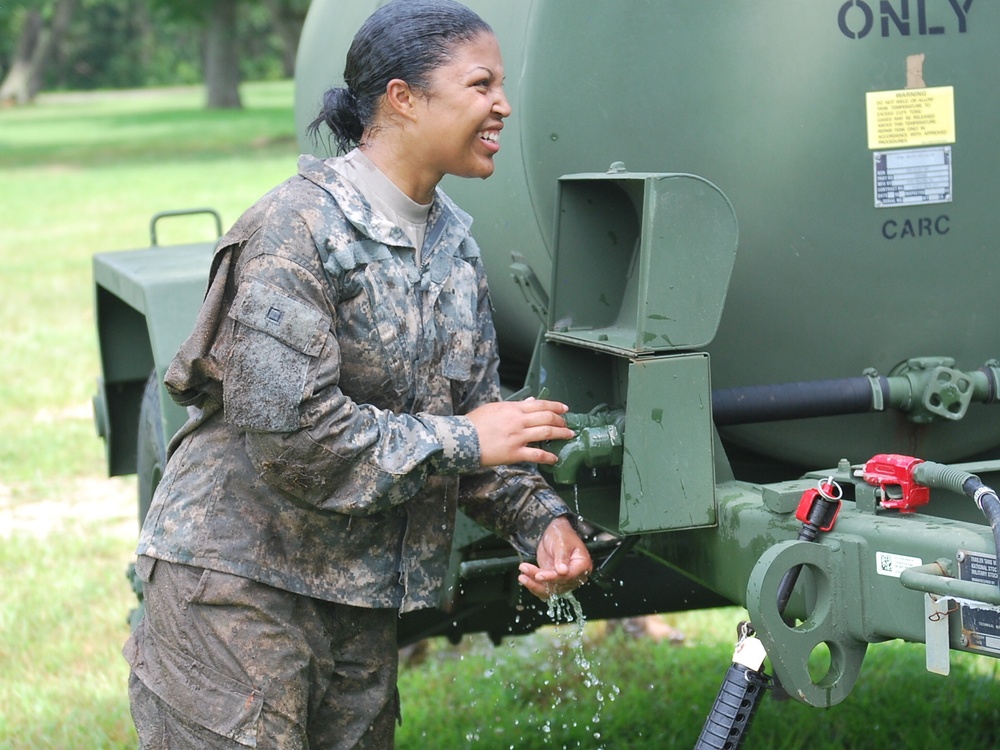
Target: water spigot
[[598, 441]]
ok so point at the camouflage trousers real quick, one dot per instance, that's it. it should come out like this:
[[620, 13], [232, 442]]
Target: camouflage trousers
[[220, 661]]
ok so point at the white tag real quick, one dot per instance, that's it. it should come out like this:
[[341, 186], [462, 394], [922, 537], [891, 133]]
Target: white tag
[[750, 653], [938, 647]]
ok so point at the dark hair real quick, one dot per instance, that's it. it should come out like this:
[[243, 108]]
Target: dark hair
[[404, 39]]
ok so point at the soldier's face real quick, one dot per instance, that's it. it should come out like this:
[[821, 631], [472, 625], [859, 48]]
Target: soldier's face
[[461, 115]]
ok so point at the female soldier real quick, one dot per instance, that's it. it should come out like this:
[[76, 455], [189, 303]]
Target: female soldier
[[343, 396]]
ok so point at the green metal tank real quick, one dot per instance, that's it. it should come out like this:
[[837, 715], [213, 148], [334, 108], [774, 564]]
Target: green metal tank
[[856, 141]]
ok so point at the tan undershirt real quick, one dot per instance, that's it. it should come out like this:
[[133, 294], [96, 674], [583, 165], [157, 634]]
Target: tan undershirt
[[386, 198]]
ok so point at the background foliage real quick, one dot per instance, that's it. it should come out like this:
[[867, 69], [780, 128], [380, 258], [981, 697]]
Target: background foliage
[[139, 43]]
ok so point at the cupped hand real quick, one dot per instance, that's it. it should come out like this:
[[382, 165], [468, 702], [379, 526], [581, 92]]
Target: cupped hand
[[563, 562], [507, 430]]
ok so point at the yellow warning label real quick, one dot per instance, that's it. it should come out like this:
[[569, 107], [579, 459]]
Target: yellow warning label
[[911, 117]]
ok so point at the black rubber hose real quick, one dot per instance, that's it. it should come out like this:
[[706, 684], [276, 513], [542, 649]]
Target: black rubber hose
[[988, 502], [991, 384], [817, 398], [808, 533], [946, 477]]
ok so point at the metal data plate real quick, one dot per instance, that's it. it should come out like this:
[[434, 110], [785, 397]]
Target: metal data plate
[[980, 622], [912, 177]]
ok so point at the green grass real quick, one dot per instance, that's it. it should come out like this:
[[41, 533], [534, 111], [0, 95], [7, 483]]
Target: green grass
[[531, 694], [84, 175], [63, 606], [79, 177]]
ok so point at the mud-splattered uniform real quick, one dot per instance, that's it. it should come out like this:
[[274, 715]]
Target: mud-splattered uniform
[[326, 378]]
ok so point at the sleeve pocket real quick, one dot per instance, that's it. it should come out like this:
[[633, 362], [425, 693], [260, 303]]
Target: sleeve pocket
[[275, 339]]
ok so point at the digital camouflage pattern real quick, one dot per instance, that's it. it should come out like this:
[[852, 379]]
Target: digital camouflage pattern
[[326, 377], [293, 673]]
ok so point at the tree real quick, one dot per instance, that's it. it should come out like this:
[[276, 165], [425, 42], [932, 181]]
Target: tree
[[134, 43], [217, 19], [221, 21], [222, 43], [44, 22], [287, 17], [222, 59]]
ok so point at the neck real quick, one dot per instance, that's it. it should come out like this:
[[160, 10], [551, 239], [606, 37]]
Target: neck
[[396, 163]]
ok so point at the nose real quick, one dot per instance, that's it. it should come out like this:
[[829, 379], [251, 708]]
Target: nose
[[502, 105]]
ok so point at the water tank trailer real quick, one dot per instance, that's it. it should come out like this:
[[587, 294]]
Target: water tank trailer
[[754, 247]]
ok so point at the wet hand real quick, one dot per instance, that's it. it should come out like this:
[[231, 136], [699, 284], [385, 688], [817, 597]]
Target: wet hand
[[563, 562], [507, 430]]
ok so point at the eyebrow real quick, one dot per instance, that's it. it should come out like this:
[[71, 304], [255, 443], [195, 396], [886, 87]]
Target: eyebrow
[[489, 71]]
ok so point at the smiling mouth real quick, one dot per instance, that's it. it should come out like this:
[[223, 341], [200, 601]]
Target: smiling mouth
[[490, 136]]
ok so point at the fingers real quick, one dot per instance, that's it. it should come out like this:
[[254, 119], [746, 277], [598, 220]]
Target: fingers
[[542, 421], [533, 414], [533, 455], [546, 583], [563, 562], [509, 430], [535, 404]]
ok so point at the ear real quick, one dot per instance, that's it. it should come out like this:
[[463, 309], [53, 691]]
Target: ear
[[400, 98]]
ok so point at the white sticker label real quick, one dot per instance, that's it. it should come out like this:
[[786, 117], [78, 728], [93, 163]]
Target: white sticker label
[[888, 564]]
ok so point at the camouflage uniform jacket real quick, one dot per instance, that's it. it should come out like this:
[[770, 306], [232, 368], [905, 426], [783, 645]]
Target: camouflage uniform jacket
[[325, 381]]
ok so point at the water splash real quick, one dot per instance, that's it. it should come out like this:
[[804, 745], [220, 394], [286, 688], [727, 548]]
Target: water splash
[[561, 692], [566, 609]]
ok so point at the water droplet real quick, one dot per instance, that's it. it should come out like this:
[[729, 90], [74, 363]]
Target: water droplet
[[566, 609]]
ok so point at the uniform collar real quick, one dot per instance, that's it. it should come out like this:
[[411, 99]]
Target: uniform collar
[[324, 173]]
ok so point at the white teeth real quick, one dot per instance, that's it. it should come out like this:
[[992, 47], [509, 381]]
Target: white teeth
[[490, 135]]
